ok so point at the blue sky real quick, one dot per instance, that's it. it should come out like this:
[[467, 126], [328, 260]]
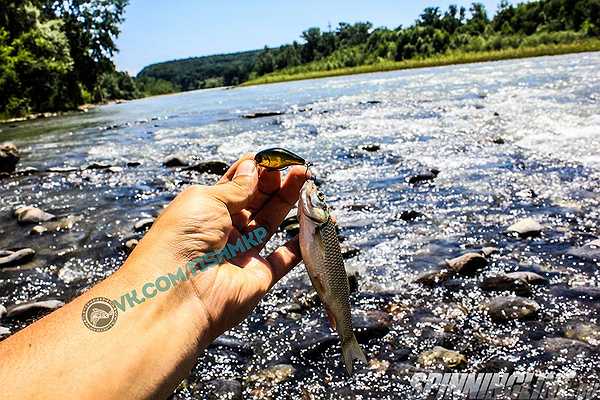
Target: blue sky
[[162, 30]]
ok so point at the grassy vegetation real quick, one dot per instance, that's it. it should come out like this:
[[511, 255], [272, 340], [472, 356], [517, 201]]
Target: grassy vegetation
[[450, 58]]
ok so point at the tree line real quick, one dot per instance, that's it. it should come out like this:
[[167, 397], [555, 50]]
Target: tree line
[[57, 54]]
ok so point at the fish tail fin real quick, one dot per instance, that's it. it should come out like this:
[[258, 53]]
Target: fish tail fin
[[351, 351]]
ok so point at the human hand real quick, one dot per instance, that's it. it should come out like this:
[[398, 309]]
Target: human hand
[[203, 219]]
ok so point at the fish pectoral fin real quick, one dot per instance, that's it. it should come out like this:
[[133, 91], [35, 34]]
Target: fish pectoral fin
[[330, 317]]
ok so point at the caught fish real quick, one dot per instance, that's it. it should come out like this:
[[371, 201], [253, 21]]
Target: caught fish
[[322, 256], [278, 158]]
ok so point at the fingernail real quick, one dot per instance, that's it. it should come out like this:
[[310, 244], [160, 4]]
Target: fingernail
[[246, 168]]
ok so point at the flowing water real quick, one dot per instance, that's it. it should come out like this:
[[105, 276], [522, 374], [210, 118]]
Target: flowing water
[[511, 139]]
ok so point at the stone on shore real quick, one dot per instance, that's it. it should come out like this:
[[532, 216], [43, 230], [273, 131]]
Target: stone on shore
[[31, 307], [32, 215], [9, 157], [16, 257], [527, 227], [584, 332], [273, 375], [4, 332]]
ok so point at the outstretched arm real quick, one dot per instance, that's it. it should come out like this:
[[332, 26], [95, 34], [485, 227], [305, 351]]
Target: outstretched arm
[[160, 330]]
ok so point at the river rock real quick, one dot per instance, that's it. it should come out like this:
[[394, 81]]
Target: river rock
[[433, 277], [4, 332], [410, 215], [225, 389], [16, 257], [527, 227], [582, 292], [175, 161], [424, 176], [314, 346], [273, 375], [371, 147], [504, 282], [567, 348], [32, 215], [9, 157], [62, 224], [234, 344], [590, 251], [529, 277], [442, 357], [130, 244], [262, 114], [31, 307], [209, 167], [96, 165], [505, 308], [489, 251], [371, 324], [38, 230], [2, 311], [63, 170], [584, 332], [143, 224], [467, 263]]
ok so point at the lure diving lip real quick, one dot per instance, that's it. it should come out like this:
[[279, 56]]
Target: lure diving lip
[[278, 158]]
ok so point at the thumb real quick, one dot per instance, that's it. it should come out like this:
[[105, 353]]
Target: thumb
[[236, 194]]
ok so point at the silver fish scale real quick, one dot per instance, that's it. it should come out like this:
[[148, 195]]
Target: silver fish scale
[[338, 282]]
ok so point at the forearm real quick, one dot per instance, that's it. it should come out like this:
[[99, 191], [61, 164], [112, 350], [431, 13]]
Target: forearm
[[148, 351]]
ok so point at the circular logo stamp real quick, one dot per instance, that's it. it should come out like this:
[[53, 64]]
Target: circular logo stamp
[[99, 314]]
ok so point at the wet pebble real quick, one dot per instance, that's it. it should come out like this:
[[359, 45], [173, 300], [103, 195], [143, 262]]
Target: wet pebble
[[425, 176], [371, 147], [584, 332], [582, 292], [566, 347], [505, 282], [527, 227], [590, 251], [4, 332], [2, 311], [505, 308], [410, 215], [262, 114], [225, 389], [467, 263], [16, 257], [32, 215], [175, 161], [143, 224], [234, 344], [529, 277], [9, 157], [433, 277], [440, 357], [209, 167], [273, 375], [290, 225], [62, 224], [130, 244], [31, 307], [371, 324]]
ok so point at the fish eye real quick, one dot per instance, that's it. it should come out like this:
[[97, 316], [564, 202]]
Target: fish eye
[[320, 196]]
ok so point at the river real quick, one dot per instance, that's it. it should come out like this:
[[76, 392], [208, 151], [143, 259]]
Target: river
[[511, 139]]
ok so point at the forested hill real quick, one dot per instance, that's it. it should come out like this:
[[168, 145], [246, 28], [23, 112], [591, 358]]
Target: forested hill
[[204, 72], [454, 35]]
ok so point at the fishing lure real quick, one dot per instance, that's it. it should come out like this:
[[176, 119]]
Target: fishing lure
[[278, 158]]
